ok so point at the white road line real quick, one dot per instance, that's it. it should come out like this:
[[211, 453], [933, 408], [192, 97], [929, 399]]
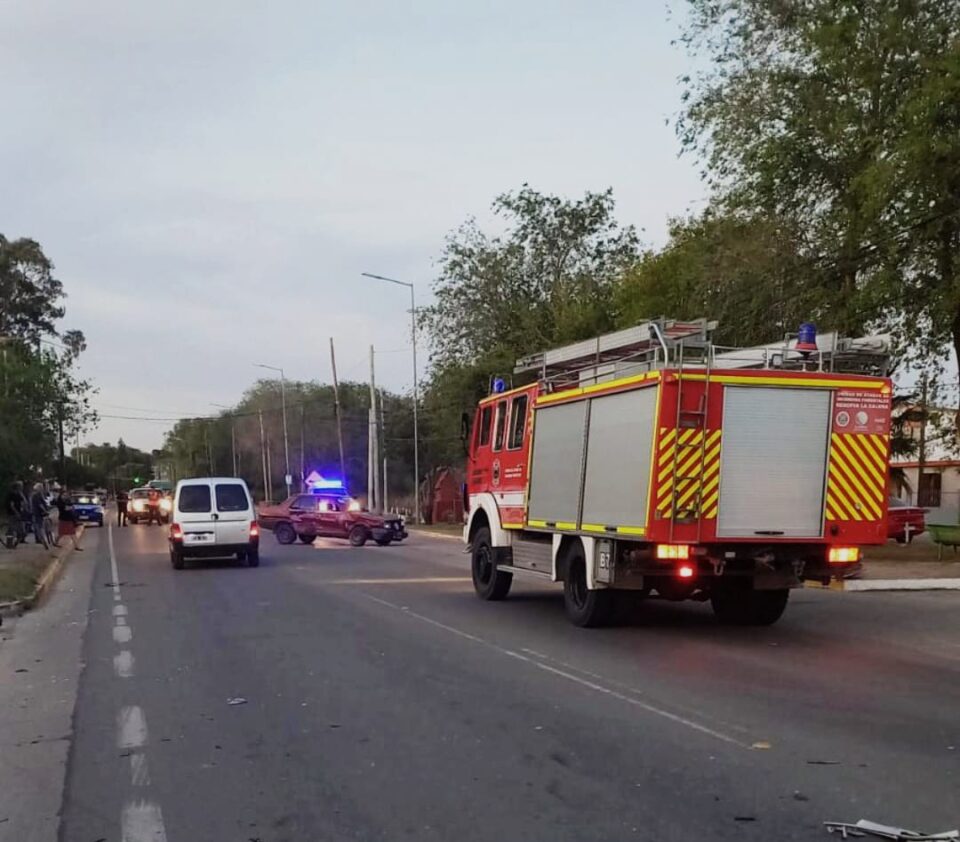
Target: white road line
[[114, 573], [142, 821], [119, 610], [131, 728], [592, 685], [122, 634], [123, 664], [139, 772]]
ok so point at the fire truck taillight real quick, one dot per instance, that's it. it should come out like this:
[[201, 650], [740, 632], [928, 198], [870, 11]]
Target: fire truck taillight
[[843, 555], [673, 552], [685, 571]]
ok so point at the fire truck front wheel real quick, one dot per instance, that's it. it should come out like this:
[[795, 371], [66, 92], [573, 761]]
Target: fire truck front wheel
[[488, 582], [584, 607], [738, 604]]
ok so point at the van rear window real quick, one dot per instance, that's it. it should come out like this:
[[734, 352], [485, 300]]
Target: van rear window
[[194, 499], [231, 497]]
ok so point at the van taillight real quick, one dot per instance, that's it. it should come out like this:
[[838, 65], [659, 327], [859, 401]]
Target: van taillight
[[176, 531], [254, 529]]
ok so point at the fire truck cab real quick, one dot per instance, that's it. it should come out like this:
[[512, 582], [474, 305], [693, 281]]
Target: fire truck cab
[[651, 462]]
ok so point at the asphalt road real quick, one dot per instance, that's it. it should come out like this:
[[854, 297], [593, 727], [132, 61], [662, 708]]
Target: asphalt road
[[382, 700]]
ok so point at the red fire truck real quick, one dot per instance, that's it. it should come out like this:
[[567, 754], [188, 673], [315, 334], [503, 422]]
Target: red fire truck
[[651, 461]]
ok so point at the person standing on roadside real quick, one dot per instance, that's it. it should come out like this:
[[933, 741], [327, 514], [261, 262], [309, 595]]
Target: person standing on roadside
[[38, 512], [13, 507], [67, 524], [122, 500]]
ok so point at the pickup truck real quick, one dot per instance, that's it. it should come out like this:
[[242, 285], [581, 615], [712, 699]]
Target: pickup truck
[[307, 516]]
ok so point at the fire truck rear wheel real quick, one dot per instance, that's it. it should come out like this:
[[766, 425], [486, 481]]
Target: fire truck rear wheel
[[585, 608], [742, 606], [488, 582]]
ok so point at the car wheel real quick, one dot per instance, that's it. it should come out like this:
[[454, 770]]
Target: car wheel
[[285, 533], [306, 539], [253, 558], [358, 536], [585, 608], [384, 542], [177, 559], [489, 583], [738, 604], [242, 556]]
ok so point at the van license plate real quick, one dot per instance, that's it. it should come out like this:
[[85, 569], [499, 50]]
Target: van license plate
[[197, 537]]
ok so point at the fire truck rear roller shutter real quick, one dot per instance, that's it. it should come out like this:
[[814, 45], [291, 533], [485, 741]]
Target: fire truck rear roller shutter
[[773, 462], [556, 462], [618, 459]]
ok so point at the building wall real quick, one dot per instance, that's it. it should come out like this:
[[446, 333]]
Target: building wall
[[949, 509]]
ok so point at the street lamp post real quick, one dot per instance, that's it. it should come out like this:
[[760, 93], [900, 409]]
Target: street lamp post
[[283, 401], [416, 437]]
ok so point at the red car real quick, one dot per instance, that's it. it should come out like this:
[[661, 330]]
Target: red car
[[904, 521], [306, 516]]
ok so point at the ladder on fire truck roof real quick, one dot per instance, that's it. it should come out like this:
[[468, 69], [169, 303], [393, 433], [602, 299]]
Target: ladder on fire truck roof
[[662, 343], [646, 346]]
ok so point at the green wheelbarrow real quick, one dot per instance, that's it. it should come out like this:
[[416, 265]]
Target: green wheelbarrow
[[944, 535]]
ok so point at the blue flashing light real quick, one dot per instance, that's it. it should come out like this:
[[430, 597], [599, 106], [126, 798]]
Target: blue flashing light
[[807, 337], [327, 484], [499, 385]]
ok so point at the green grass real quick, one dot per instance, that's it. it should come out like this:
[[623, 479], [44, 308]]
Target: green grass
[[21, 569]]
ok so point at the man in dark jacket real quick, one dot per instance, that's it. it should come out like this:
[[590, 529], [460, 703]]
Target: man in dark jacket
[[122, 499], [17, 508]]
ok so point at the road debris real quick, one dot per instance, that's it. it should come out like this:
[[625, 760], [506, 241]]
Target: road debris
[[238, 700], [886, 831]]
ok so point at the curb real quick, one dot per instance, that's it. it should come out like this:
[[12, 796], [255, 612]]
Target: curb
[[44, 583], [902, 585]]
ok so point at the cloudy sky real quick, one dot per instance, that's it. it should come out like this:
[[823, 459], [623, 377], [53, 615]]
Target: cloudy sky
[[211, 178]]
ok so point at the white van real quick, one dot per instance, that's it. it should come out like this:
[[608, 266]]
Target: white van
[[213, 516]]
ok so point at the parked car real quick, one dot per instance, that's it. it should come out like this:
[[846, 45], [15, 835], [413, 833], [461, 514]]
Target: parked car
[[213, 516], [904, 521], [307, 516], [87, 508]]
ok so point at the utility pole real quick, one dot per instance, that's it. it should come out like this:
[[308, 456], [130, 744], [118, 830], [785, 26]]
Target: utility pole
[[382, 440], [374, 440], [302, 472], [336, 409], [269, 468], [263, 457], [416, 391], [206, 437], [63, 453], [286, 442], [922, 448]]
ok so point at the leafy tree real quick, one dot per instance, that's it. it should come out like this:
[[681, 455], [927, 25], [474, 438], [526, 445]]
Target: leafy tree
[[546, 280], [843, 116], [41, 392], [739, 270], [30, 297]]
